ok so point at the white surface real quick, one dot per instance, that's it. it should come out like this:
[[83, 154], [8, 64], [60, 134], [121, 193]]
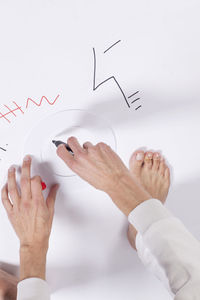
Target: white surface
[[80, 123], [46, 50]]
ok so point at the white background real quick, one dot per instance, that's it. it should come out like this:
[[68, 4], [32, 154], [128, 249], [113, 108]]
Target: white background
[[46, 49]]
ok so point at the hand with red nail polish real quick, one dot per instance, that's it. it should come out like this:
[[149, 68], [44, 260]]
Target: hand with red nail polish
[[31, 217]]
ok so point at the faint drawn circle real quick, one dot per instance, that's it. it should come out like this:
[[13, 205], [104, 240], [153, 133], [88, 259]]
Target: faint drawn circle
[[82, 124]]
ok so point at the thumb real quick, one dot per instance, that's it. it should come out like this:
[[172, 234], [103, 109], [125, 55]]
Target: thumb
[[52, 197], [65, 155]]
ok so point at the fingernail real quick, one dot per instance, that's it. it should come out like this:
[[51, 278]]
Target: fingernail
[[11, 169], [140, 156], [149, 155], [157, 155], [27, 158]]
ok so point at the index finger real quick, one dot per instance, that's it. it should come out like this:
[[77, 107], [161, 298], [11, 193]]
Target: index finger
[[25, 181], [63, 153]]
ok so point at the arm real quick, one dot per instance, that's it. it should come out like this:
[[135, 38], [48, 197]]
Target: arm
[[169, 242], [167, 248], [31, 217]]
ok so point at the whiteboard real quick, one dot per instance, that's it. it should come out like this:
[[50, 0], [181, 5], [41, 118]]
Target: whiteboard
[[134, 63]]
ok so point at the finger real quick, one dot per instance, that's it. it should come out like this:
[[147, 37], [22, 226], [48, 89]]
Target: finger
[[36, 188], [52, 197], [74, 145], [25, 182], [63, 153], [87, 145], [5, 199], [12, 185]]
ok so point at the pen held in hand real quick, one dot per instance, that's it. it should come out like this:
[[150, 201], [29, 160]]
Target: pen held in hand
[[57, 143]]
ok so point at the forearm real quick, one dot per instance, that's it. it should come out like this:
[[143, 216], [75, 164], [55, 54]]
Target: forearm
[[33, 262]]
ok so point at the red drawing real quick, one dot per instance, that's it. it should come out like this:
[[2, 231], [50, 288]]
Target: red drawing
[[11, 111], [43, 97]]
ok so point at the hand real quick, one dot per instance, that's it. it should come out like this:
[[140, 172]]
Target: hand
[[99, 165], [30, 215]]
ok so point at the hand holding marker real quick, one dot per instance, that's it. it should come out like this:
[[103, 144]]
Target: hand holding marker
[[57, 143]]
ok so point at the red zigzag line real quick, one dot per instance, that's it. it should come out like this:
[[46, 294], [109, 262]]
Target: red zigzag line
[[43, 97]]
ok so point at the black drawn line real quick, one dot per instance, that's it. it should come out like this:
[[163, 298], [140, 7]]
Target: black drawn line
[[135, 100], [133, 94], [2, 149], [112, 46], [138, 107], [112, 77]]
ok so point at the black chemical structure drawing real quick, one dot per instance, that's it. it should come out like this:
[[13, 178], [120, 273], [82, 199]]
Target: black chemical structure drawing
[[96, 86]]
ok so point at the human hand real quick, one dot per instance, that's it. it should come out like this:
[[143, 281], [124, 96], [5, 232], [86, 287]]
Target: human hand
[[99, 165], [30, 215]]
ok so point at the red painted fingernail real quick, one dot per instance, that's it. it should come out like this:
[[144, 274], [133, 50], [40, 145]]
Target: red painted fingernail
[[43, 185]]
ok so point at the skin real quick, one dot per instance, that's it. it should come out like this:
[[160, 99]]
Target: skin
[[101, 167], [31, 215], [150, 170]]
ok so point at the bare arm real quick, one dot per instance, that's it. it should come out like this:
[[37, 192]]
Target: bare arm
[[172, 246]]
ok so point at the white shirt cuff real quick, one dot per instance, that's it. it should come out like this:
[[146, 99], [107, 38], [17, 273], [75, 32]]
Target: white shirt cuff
[[33, 289], [147, 213]]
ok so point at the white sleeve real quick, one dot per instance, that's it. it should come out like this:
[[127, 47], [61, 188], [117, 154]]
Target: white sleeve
[[33, 289], [167, 248]]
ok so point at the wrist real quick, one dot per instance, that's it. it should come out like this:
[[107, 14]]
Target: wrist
[[128, 194], [33, 261], [34, 248]]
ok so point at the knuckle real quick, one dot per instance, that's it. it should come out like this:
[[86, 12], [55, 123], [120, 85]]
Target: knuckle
[[71, 163], [92, 150], [24, 181], [26, 163], [102, 145], [10, 174], [80, 155], [26, 205], [37, 201], [36, 178]]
